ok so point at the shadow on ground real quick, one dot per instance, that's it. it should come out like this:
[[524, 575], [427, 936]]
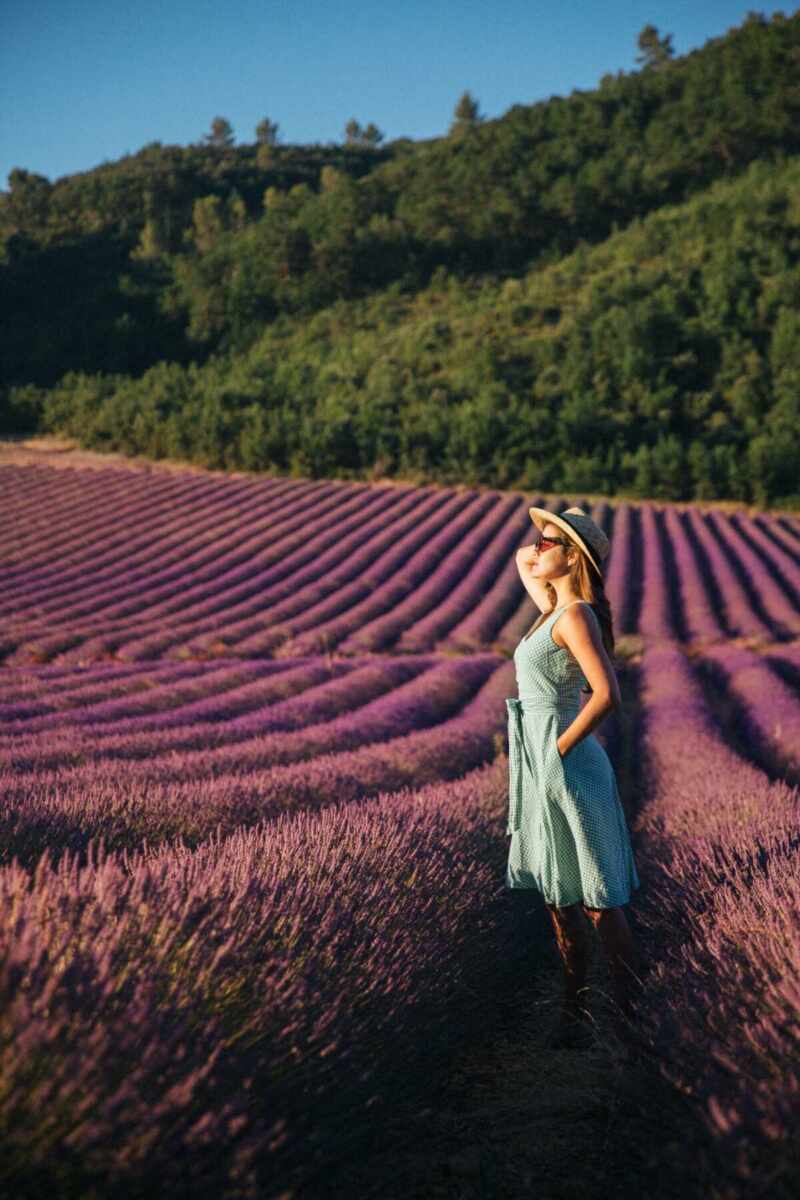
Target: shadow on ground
[[509, 1116]]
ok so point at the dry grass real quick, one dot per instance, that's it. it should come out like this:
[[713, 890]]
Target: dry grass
[[24, 451]]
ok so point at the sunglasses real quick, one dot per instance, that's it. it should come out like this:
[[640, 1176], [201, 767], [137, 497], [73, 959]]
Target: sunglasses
[[546, 543]]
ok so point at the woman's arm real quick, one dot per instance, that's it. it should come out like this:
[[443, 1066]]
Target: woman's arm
[[580, 632], [535, 588]]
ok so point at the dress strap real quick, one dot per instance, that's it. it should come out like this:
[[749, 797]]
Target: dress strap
[[561, 607], [569, 604]]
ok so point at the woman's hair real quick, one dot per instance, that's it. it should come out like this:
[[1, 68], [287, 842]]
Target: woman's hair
[[589, 586]]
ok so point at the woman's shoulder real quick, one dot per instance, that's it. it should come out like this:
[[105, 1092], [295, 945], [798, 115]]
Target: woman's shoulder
[[575, 614], [579, 606]]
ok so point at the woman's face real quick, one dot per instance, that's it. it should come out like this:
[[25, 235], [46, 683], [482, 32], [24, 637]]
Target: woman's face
[[552, 561]]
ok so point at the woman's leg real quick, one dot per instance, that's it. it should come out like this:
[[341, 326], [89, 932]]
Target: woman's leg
[[574, 945], [620, 954]]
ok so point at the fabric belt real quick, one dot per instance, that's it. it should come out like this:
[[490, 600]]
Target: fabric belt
[[521, 753], [537, 704]]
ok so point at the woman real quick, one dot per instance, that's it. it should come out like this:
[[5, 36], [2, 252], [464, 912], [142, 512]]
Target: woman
[[569, 837]]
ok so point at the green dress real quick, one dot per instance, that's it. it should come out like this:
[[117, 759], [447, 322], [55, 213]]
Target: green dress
[[569, 837]]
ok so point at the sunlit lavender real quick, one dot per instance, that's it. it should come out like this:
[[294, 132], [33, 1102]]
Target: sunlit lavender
[[253, 814]]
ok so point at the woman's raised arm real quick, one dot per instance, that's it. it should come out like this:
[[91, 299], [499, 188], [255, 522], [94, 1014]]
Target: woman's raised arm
[[535, 588]]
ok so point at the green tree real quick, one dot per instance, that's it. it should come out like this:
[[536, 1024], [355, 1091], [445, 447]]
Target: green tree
[[640, 463], [267, 132], [465, 116], [654, 51], [29, 199], [274, 199], [151, 243], [701, 471], [330, 178], [372, 136], [772, 458], [669, 468], [352, 132], [208, 223], [221, 135], [237, 211], [358, 135]]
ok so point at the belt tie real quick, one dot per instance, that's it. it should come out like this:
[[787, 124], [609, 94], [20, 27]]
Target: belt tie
[[520, 751]]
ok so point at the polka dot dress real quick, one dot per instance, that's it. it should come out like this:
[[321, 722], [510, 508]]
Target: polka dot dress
[[569, 837]]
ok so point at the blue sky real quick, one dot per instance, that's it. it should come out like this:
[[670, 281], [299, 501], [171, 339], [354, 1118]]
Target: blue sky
[[83, 82]]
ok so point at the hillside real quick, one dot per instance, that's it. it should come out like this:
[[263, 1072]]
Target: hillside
[[662, 363], [197, 263]]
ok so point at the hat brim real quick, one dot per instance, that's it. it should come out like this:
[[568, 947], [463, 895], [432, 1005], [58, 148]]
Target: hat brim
[[542, 517]]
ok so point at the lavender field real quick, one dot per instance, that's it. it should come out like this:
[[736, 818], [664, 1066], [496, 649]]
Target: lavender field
[[253, 815]]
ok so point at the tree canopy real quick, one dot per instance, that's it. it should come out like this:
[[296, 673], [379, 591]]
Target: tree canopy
[[654, 51], [221, 134]]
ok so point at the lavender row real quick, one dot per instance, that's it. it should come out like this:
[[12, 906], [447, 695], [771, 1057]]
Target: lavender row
[[780, 535], [382, 700], [498, 594], [400, 572], [702, 580], [255, 598], [66, 641], [68, 806], [620, 568], [786, 653], [257, 545], [718, 844], [335, 572], [700, 603], [202, 691], [50, 687], [58, 497], [767, 710], [775, 596], [445, 595], [339, 576], [166, 506], [215, 1023], [170, 570], [237, 573]]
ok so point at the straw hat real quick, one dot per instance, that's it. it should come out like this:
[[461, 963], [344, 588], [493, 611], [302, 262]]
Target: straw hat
[[580, 527]]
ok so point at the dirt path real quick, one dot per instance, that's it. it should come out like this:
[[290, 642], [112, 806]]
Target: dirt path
[[512, 1117]]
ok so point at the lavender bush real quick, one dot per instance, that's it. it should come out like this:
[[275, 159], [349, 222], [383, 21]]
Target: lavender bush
[[720, 842], [225, 1020]]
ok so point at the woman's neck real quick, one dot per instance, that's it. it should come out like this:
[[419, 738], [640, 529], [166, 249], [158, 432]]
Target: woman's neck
[[564, 597]]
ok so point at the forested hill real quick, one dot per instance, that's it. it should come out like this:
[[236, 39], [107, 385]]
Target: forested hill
[[545, 357]]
